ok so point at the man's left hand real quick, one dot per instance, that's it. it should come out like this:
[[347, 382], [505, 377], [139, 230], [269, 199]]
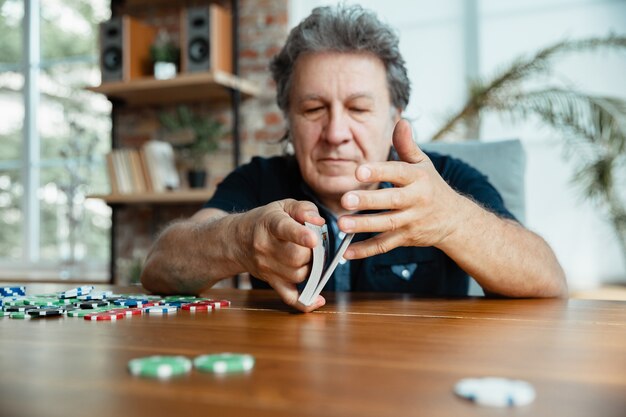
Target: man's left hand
[[421, 209]]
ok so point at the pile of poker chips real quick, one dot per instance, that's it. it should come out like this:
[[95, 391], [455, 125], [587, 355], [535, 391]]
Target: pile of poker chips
[[96, 305], [165, 367]]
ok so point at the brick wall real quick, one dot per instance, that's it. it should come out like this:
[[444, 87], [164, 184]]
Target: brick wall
[[263, 29]]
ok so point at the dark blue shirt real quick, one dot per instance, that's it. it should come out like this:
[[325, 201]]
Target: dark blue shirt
[[425, 271]]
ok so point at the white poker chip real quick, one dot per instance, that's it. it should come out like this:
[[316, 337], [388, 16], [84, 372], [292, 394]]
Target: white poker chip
[[496, 392]]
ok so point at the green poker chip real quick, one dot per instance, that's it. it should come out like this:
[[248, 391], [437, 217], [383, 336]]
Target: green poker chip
[[161, 367], [81, 312], [21, 316], [223, 363]]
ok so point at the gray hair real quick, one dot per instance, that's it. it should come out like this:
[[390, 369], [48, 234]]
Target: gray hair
[[342, 28]]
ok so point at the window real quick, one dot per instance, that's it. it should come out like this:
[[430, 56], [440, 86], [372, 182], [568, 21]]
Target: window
[[53, 139]]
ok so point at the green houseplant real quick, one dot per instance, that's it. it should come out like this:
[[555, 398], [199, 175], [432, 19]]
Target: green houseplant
[[165, 56], [194, 137], [593, 127]]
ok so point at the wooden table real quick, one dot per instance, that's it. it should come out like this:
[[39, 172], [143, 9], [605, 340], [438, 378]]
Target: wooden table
[[361, 355]]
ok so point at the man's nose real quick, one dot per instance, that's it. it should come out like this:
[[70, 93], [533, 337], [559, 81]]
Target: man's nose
[[338, 127]]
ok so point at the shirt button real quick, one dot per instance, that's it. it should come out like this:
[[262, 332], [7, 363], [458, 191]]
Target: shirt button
[[406, 273]]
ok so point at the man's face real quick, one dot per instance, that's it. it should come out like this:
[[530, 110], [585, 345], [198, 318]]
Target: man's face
[[340, 116]]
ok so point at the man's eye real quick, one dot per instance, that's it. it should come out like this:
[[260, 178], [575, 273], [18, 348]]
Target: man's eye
[[313, 110], [357, 110]]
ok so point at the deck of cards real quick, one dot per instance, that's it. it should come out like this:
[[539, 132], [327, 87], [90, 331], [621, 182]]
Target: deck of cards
[[321, 269]]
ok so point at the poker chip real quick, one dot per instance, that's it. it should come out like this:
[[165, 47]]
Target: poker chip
[[20, 316], [164, 309], [496, 392], [195, 307], [178, 304], [128, 312], [144, 297], [96, 295], [14, 301], [129, 303], [83, 301], [43, 302], [22, 308], [93, 304], [46, 312], [181, 298], [220, 303], [82, 312], [161, 367], [152, 304], [110, 315], [10, 291], [222, 363], [75, 292]]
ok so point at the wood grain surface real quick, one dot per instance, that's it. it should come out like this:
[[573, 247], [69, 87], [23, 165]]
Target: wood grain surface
[[361, 355]]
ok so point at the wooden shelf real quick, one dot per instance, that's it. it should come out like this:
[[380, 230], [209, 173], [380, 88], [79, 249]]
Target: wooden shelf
[[202, 86], [141, 4], [171, 197]]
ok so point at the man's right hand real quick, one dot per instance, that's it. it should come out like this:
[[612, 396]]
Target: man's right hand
[[276, 246]]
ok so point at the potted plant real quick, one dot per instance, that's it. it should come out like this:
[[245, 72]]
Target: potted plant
[[165, 56], [193, 137], [593, 126]]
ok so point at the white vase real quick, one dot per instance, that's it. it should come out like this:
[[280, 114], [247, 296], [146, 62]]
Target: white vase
[[164, 70]]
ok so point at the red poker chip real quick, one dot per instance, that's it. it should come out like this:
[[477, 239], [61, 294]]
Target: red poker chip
[[150, 304], [106, 315], [199, 306], [220, 303], [128, 311]]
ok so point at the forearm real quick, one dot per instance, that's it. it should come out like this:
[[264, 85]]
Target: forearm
[[503, 257], [192, 255]]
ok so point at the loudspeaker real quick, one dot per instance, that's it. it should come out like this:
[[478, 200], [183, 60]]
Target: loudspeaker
[[206, 35], [125, 49]]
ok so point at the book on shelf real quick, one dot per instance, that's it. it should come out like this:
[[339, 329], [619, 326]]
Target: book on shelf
[[151, 168]]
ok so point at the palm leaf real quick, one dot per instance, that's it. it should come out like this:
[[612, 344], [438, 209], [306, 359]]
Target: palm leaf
[[593, 127]]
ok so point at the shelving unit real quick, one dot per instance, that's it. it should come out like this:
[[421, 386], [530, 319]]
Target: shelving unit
[[192, 87], [172, 197], [215, 87]]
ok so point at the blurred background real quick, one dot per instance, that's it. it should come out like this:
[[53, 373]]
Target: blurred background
[[55, 135]]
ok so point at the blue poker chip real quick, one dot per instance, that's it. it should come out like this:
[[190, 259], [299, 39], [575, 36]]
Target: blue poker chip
[[178, 304], [10, 291], [130, 302], [496, 392], [96, 295], [75, 292]]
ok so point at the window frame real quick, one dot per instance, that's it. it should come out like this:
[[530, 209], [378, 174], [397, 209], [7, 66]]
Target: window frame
[[31, 267]]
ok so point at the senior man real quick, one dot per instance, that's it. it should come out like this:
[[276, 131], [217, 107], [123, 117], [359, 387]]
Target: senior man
[[423, 222]]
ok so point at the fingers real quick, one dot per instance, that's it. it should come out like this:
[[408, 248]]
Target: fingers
[[407, 149], [382, 199], [291, 228], [289, 294], [303, 211], [381, 243], [396, 172], [375, 223]]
